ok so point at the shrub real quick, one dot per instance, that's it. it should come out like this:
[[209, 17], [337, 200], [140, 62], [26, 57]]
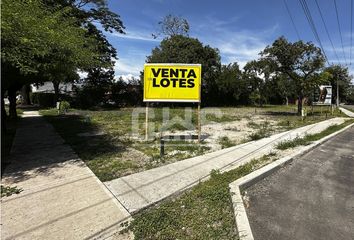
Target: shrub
[[64, 106]]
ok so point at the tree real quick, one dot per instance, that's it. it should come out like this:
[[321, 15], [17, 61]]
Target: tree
[[172, 26], [339, 75], [52, 40], [30, 42], [258, 74], [301, 62], [96, 87], [86, 12], [182, 49], [230, 84]]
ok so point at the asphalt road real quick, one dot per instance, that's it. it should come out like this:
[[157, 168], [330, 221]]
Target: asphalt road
[[312, 198]]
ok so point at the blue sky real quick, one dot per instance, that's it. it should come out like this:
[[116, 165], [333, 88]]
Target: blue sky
[[239, 29]]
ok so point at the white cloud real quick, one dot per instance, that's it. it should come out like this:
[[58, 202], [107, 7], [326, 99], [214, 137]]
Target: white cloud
[[137, 35], [127, 77], [235, 46], [125, 67]]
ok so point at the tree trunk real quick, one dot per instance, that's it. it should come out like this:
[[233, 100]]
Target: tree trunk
[[56, 91], [299, 105], [25, 94], [286, 101], [3, 115], [12, 100]]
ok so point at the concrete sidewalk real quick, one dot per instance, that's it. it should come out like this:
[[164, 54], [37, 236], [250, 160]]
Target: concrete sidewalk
[[347, 112], [140, 190], [61, 197]]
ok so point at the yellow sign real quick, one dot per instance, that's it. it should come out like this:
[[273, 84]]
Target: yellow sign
[[164, 82]]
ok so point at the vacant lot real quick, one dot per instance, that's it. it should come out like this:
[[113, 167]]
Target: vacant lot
[[112, 142]]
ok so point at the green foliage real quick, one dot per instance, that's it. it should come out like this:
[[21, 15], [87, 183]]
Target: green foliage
[[127, 93], [308, 139], [339, 74], [94, 91], [263, 130], [64, 106], [32, 32], [292, 143], [7, 191], [225, 142], [230, 85], [300, 61]]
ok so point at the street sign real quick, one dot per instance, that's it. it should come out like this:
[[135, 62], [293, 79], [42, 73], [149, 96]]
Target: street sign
[[325, 95]]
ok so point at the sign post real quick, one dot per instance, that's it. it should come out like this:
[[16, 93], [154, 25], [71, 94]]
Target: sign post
[[199, 123], [147, 122], [172, 82]]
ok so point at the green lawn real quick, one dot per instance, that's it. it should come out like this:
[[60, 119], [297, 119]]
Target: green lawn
[[103, 138]]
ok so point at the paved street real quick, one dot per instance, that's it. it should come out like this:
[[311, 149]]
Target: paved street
[[313, 198], [61, 197]]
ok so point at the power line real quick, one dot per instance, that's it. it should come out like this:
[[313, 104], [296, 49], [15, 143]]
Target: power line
[[312, 26], [325, 26], [351, 30], [340, 31], [292, 20]]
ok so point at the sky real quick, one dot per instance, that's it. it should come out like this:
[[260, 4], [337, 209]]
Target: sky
[[239, 29]]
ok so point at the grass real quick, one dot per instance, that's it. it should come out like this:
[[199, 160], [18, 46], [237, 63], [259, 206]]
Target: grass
[[225, 142], [308, 139], [292, 143], [107, 153], [264, 130], [204, 212], [7, 191], [111, 152]]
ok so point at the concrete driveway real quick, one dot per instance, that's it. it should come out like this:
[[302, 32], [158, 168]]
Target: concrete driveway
[[313, 198]]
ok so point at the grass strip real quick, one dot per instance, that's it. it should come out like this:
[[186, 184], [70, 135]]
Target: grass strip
[[308, 139], [203, 212]]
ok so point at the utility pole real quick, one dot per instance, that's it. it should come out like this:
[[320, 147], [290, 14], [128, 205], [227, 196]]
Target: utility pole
[[337, 94]]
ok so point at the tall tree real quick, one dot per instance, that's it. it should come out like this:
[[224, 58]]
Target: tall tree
[[172, 26], [301, 62], [43, 38], [230, 84], [258, 74], [32, 36], [339, 76], [86, 12]]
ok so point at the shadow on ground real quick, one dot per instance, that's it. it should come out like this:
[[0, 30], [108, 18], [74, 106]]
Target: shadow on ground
[[37, 149]]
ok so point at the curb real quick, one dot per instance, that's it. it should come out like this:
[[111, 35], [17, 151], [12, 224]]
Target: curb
[[236, 187]]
